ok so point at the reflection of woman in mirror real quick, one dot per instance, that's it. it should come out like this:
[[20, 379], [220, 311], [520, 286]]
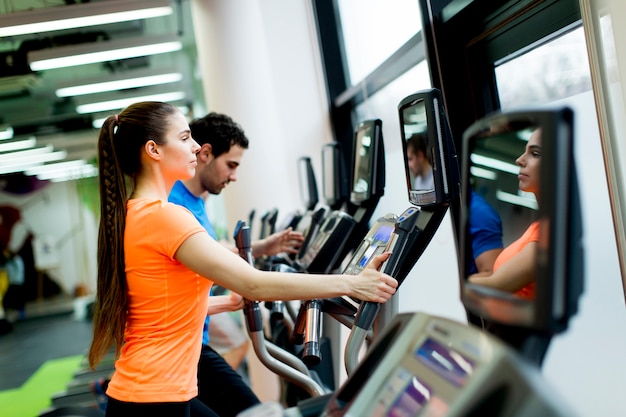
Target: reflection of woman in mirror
[[419, 162], [514, 268]]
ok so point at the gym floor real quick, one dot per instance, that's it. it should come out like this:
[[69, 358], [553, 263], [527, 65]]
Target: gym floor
[[49, 331]]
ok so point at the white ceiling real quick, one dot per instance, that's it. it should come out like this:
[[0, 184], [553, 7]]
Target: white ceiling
[[28, 102]]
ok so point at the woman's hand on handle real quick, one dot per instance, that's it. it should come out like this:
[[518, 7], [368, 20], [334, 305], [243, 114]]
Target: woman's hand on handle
[[373, 285]]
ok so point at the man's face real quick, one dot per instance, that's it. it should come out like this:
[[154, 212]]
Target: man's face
[[216, 173], [415, 162]]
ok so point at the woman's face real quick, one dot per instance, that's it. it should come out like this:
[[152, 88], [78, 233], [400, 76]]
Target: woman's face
[[530, 163], [179, 149]]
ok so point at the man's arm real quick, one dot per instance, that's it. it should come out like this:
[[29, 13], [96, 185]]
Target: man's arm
[[285, 241], [225, 303], [484, 261]]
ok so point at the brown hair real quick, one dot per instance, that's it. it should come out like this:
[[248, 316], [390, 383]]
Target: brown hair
[[121, 140]]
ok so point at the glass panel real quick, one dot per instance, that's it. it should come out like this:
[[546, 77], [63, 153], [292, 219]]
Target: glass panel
[[553, 71], [373, 30], [384, 105], [558, 73]]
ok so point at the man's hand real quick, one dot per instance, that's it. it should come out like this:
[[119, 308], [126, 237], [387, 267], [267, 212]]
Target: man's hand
[[285, 241]]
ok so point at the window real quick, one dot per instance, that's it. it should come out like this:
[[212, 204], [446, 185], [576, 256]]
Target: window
[[373, 30]]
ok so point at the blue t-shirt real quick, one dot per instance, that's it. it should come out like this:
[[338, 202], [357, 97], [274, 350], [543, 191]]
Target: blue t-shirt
[[182, 196], [485, 228]]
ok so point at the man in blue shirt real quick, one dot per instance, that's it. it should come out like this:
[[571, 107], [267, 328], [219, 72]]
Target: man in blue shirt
[[223, 143], [485, 230]]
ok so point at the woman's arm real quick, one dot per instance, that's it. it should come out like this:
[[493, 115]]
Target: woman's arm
[[514, 274], [210, 259]]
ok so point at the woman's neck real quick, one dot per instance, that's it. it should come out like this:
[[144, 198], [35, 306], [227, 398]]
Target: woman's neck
[[153, 187]]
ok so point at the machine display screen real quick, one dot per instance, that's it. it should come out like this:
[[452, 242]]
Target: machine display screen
[[447, 363], [363, 161], [381, 237], [403, 395]]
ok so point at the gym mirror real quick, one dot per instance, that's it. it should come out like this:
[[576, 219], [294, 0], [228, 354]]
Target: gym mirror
[[520, 194], [425, 134]]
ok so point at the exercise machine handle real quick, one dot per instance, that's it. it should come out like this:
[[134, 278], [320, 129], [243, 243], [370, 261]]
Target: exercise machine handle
[[368, 311], [311, 354], [277, 360]]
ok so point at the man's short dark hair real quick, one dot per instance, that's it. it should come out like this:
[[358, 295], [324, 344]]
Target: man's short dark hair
[[218, 130]]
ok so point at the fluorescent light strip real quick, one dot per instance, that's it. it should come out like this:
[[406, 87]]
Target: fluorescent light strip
[[6, 133], [124, 102], [103, 56], [94, 173], [97, 123], [494, 163], [7, 158], [483, 173], [18, 145], [75, 173], [27, 163], [517, 200], [57, 167], [115, 85], [81, 15]]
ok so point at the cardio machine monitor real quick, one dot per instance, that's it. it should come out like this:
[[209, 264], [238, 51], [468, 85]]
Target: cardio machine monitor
[[374, 243], [424, 365], [368, 175]]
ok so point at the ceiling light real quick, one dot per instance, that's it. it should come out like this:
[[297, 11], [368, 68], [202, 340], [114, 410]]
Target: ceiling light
[[518, 200], [56, 167], [494, 163], [99, 121], [483, 173], [18, 145], [6, 133], [7, 158], [120, 103], [118, 82], [80, 15], [93, 52], [26, 162], [83, 171]]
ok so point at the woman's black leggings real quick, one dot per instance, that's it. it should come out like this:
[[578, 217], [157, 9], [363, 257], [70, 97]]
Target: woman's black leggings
[[193, 408]]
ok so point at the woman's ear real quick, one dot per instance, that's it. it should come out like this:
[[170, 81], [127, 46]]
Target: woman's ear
[[152, 150]]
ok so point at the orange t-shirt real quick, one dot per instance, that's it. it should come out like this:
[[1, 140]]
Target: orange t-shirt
[[530, 235], [167, 306]]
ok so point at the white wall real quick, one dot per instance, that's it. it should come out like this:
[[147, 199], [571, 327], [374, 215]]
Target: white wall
[[576, 356], [259, 66]]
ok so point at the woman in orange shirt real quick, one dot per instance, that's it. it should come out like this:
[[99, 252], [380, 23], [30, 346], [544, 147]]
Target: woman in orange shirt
[[514, 268], [156, 265]]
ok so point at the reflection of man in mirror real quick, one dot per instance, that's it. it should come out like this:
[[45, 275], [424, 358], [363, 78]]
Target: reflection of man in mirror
[[419, 162], [514, 268], [485, 230]]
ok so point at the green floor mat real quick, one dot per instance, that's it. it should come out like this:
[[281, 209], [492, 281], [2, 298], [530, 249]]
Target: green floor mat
[[34, 396]]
